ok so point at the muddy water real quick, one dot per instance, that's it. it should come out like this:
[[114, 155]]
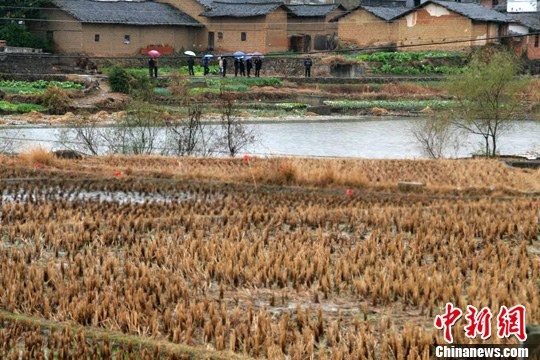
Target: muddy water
[[365, 137]]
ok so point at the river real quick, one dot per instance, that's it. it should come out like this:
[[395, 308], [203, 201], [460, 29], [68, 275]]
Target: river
[[366, 137]]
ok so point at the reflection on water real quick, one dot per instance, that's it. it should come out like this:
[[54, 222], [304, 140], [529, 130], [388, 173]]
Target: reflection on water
[[368, 137]]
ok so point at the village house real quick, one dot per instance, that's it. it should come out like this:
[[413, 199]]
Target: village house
[[527, 25], [116, 28], [311, 26], [449, 25], [434, 24], [523, 30], [263, 25]]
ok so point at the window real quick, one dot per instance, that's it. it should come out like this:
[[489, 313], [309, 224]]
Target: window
[[536, 40], [127, 39], [243, 36], [96, 38], [220, 36]]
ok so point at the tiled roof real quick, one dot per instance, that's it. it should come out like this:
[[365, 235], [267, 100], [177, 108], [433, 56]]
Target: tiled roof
[[385, 12], [473, 11], [313, 10], [530, 20], [241, 9], [125, 12], [251, 8]]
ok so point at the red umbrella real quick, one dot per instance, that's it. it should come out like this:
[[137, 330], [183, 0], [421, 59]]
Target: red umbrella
[[154, 53]]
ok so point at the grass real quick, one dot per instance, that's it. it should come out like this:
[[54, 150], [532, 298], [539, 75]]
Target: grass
[[36, 87], [404, 105], [234, 84], [20, 108], [415, 63], [143, 70], [38, 156]]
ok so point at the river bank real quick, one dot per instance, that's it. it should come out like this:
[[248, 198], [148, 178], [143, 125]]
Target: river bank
[[355, 137]]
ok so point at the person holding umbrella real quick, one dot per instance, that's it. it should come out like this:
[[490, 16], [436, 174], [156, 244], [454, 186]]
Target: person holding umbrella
[[258, 64], [206, 64], [242, 66], [152, 63], [249, 65], [224, 73], [236, 66], [191, 62]]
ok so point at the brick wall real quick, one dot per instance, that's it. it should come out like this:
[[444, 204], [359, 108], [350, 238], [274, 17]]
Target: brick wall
[[429, 24], [72, 37], [37, 64], [262, 33], [111, 38], [194, 9], [533, 47], [364, 29], [65, 29]]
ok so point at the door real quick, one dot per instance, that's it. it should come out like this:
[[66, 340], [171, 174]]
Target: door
[[211, 40]]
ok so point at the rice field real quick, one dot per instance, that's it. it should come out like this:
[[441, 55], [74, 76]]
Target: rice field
[[161, 258]]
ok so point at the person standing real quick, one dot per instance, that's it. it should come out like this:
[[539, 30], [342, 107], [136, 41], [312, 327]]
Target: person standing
[[258, 66], [242, 66], [191, 65], [308, 63], [152, 67], [249, 66], [205, 64], [224, 66], [220, 62], [236, 66]]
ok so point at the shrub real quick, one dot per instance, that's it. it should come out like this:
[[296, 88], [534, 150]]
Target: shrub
[[16, 35], [140, 86], [119, 80], [56, 100], [38, 155], [6, 106]]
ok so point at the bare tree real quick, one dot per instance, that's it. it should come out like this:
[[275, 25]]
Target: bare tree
[[489, 97], [7, 142], [234, 136], [435, 136], [137, 133], [84, 135], [185, 136]]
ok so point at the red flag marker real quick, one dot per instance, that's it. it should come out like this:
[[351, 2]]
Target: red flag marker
[[246, 159], [117, 173], [37, 166], [349, 192]]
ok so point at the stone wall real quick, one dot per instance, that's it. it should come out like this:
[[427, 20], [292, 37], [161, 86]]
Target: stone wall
[[38, 64]]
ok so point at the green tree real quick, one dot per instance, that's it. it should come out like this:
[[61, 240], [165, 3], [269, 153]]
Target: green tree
[[489, 95], [13, 15]]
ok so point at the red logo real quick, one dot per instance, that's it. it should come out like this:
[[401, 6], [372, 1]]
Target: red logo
[[510, 321], [478, 323], [447, 320]]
